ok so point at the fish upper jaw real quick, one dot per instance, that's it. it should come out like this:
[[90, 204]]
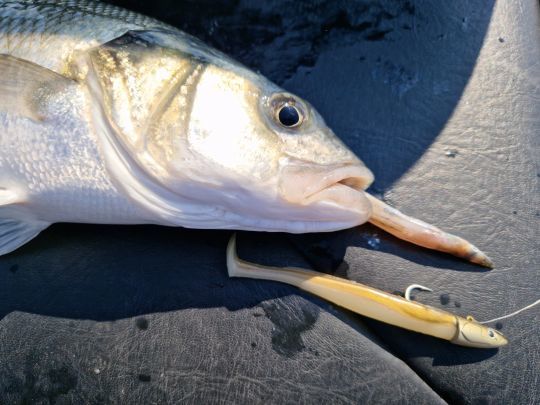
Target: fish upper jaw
[[353, 176]]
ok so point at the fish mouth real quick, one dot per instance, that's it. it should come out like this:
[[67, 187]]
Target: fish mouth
[[355, 177], [330, 192]]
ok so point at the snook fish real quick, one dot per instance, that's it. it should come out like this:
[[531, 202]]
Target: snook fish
[[110, 117], [107, 116]]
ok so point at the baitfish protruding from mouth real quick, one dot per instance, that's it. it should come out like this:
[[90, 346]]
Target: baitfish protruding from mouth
[[423, 234], [352, 180]]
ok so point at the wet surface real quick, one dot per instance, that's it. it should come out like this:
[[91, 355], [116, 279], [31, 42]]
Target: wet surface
[[142, 323], [40, 381], [144, 378], [291, 318], [440, 101], [445, 299]]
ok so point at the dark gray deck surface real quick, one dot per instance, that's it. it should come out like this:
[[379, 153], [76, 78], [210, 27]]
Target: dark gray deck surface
[[442, 101]]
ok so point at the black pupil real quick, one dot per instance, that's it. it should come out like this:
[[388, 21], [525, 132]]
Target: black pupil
[[288, 116]]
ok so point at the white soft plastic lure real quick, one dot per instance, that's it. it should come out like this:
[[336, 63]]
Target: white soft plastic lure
[[108, 117]]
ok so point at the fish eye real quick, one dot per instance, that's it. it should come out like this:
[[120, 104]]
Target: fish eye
[[287, 111], [491, 333], [289, 116]]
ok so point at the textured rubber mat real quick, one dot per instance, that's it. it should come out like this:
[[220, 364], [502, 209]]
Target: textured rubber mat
[[442, 101]]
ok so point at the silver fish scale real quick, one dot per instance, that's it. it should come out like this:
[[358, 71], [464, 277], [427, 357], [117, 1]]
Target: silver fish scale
[[47, 33], [61, 11], [59, 159]]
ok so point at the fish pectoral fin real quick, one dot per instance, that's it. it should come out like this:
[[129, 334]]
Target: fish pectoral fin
[[14, 233], [9, 197], [26, 88], [14, 230]]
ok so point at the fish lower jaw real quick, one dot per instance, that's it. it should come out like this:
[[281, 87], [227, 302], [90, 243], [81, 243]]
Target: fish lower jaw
[[319, 217], [294, 227], [340, 200]]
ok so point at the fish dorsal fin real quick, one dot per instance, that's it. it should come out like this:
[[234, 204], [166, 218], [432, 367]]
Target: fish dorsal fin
[[25, 88], [17, 226]]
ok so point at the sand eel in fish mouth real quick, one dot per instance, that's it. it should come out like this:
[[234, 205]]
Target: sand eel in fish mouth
[[110, 117]]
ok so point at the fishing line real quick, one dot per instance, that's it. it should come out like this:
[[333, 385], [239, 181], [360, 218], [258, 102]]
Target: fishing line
[[422, 288], [513, 313]]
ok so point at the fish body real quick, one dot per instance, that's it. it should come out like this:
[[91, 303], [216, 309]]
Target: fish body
[[112, 117]]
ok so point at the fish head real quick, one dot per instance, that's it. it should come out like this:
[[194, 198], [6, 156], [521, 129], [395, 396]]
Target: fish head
[[271, 156], [196, 128]]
